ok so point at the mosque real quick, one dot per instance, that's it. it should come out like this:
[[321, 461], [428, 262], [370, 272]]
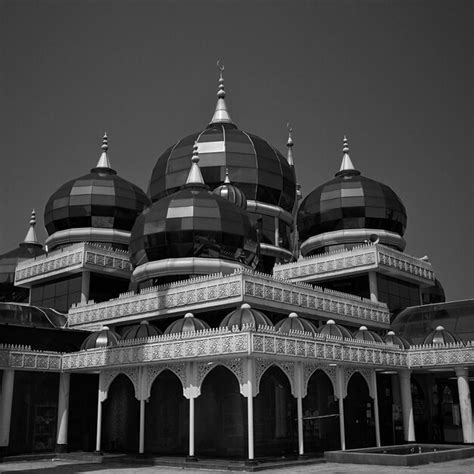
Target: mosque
[[220, 314]]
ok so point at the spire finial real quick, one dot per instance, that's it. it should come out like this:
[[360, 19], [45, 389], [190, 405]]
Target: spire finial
[[290, 144], [104, 161], [346, 164], [227, 179], [221, 115], [195, 176], [31, 237]]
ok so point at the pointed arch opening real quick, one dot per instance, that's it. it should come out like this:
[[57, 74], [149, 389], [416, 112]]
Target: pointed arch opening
[[320, 415], [121, 412], [359, 420], [166, 416], [275, 425], [221, 416]]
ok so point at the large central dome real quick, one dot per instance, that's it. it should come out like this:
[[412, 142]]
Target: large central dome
[[257, 168]]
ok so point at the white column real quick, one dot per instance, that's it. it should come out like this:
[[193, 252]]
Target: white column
[[85, 286], [63, 411], [340, 390], [191, 427], [376, 408], [250, 374], [141, 442], [277, 232], [407, 405], [299, 406], [8, 380], [462, 374], [99, 423], [373, 286]]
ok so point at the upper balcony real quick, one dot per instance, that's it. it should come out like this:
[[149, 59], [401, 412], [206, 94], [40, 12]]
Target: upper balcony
[[73, 259], [218, 291], [367, 257]]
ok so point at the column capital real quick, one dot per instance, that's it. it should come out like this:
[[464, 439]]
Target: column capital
[[404, 373], [461, 371]]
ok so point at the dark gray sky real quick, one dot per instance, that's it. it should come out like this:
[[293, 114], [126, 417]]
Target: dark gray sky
[[395, 76]]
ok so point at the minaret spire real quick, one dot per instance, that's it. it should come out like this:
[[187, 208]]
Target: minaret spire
[[195, 176], [31, 237], [221, 114], [346, 165], [290, 144], [104, 161]]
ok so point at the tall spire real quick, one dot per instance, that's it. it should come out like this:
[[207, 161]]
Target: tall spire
[[195, 176], [290, 144], [221, 115], [31, 237], [346, 164], [104, 161]]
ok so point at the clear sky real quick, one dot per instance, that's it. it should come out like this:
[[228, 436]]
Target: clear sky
[[395, 76]]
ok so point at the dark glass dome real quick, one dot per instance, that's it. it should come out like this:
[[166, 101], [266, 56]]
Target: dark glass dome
[[245, 315], [441, 336], [192, 222], [144, 329], [231, 193], [351, 201], [105, 337], [364, 334], [98, 199], [188, 323], [393, 339], [258, 169], [294, 323]]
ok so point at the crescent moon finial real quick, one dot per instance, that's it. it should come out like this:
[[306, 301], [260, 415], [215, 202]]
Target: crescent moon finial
[[220, 66], [289, 127]]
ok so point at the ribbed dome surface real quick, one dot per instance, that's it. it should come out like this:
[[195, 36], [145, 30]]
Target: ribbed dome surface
[[441, 336], [99, 199], [245, 315], [392, 338], [105, 337], [192, 222], [260, 171], [144, 329], [351, 201], [364, 334], [331, 329], [186, 324], [232, 194], [294, 323]]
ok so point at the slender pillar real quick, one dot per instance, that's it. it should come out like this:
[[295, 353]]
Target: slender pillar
[[99, 424], [191, 428], [277, 232], [407, 406], [376, 409], [85, 286], [63, 412], [8, 380], [462, 374], [299, 406], [141, 442], [251, 453], [373, 286], [340, 386]]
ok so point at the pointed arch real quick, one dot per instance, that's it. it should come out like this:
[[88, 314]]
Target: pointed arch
[[288, 368], [108, 376], [152, 372]]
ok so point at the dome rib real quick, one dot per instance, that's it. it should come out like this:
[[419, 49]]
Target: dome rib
[[245, 315]]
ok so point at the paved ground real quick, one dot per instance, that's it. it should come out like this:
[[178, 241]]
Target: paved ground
[[463, 466]]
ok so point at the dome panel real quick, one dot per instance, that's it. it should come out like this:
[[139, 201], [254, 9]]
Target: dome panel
[[105, 337], [188, 323], [245, 315], [294, 323], [331, 329], [144, 329]]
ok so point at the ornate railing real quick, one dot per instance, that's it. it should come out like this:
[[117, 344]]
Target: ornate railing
[[23, 358], [364, 257], [81, 255], [438, 355], [214, 290]]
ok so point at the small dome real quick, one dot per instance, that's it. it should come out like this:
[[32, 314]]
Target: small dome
[[231, 192], [392, 338], [186, 324], [245, 315], [351, 201], [144, 329], [364, 334], [294, 323], [105, 337], [100, 199], [331, 329], [441, 336]]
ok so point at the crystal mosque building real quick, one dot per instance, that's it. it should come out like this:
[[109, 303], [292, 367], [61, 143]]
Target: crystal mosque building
[[221, 314]]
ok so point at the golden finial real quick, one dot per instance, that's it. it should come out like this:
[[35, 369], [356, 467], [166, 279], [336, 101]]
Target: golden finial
[[195, 176], [290, 144], [105, 143], [221, 90], [104, 161], [31, 237], [221, 114], [345, 146], [227, 179], [346, 164], [33, 217]]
